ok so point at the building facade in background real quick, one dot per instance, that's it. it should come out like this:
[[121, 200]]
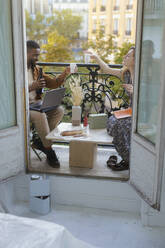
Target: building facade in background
[[45, 7], [115, 17]]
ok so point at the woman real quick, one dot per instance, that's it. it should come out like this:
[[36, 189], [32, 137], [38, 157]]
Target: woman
[[120, 129]]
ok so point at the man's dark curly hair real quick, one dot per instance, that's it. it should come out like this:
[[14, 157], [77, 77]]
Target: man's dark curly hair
[[31, 44]]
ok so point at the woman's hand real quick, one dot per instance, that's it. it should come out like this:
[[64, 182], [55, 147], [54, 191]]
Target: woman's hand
[[128, 87], [92, 54]]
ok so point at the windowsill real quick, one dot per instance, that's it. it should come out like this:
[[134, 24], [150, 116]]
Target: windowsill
[[99, 171]]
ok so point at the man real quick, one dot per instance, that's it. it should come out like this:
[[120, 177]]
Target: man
[[43, 122]]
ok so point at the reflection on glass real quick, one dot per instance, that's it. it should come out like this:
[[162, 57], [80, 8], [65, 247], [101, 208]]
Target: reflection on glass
[[151, 59]]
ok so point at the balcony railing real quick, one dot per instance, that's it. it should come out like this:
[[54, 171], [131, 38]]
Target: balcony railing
[[116, 8], [129, 6], [115, 32], [103, 8], [94, 31], [96, 87], [128, 32]]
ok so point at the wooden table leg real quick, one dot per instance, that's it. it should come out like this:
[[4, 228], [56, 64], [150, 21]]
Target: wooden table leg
[[82, 154]]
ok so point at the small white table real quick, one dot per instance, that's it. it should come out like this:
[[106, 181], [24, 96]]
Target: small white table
[[83, 149]]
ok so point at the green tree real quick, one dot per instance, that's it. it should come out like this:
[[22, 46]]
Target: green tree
[[65, 23], [121, 52], [57, 49], [36, 28], [103, 47]]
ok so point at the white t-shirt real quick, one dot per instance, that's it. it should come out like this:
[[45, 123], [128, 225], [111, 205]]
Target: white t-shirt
[[32, 94]]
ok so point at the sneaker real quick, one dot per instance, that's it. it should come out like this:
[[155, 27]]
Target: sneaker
[[52, 159]]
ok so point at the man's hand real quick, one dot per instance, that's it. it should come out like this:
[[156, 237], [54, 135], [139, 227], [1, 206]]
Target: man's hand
[[67, 70], [40, 83]]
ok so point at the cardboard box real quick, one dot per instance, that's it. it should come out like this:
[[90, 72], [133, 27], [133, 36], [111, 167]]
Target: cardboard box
[[97, 121], [82, 154]]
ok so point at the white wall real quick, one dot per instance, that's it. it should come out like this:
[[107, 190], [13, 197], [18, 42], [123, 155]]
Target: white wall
[[102, 194]]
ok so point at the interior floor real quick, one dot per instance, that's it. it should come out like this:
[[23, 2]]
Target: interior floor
[[101, 228]]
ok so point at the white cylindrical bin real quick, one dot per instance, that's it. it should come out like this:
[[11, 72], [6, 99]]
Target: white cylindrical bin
[[39, 194], [76, 115]]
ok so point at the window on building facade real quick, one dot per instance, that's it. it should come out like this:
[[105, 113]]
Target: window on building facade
[[94, 5], [116, 5], [103, 5], [37, 6], [129, 26], [115, 27], [31, 8], [94, 26], [102, 21], [102, 24], [129, 4], [7, 92]]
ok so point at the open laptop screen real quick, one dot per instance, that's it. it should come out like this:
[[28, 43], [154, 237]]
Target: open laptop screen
[[51, 100]]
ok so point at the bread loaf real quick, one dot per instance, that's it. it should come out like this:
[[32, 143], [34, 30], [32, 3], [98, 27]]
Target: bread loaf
[[71, 133]]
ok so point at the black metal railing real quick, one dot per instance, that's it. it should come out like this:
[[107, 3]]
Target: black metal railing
[[97, 88]]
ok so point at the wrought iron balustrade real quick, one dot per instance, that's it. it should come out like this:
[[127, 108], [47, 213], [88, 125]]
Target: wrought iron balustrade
[[98, 88]]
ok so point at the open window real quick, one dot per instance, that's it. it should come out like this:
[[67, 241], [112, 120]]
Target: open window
[[147, 150], [147, 144]]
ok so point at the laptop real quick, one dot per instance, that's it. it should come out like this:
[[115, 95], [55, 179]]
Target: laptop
[[51, 100]]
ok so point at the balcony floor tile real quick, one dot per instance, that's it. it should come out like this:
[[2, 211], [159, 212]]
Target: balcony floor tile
[[100, 170]]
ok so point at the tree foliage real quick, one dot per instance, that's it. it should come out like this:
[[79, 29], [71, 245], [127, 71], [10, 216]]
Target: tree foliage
[[121, 52], [65, 23], [103, 47], [59, 30], [36, 27], [57, 49]]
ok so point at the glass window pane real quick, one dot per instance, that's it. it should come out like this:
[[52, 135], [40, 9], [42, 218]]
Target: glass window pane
[[151, 60], [7, 93]]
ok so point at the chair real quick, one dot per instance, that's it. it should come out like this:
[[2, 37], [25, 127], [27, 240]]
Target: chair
[[34, 138]]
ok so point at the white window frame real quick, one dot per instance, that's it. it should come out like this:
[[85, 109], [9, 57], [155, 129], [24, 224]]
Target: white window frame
[[14, 140]]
